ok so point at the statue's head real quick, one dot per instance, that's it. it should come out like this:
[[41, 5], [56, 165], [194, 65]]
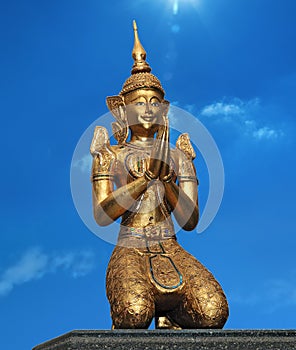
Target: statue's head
[[140, 104]]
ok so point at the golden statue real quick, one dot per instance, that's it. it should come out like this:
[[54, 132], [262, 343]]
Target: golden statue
[[143, 181]]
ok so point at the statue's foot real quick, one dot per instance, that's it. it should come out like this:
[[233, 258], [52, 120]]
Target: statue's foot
[[164, 322]]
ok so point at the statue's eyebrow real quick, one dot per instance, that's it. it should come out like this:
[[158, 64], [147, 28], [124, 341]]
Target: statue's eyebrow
[[144, 96], [155, 98], [138, 97]]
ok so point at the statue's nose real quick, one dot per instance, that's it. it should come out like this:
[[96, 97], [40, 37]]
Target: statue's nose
[[148, 108]]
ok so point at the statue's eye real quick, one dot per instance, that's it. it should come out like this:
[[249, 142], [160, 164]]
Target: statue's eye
[[155, 104], [140, 103]]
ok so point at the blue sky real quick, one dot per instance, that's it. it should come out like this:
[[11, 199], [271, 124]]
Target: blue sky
[[232, 64]]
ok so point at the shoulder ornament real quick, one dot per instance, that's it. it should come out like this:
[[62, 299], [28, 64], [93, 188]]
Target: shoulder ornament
[[101, 151], [184, 144]]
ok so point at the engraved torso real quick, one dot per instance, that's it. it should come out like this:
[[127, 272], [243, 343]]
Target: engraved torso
[[150, 208]]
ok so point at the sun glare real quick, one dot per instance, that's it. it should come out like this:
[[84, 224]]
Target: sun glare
[[176, 4]]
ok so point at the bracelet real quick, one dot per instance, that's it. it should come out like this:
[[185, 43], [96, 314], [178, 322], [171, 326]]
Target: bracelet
[[168, 178], [187, 178], [148, 176], [183, 177]]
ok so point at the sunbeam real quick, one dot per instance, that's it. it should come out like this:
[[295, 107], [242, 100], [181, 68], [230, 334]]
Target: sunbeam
[[177, 3]]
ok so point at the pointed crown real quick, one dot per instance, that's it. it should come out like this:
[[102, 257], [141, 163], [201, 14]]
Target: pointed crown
[[141, 76]]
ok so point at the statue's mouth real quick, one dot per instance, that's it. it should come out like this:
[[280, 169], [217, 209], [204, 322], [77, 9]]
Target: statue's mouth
[[148, 118]]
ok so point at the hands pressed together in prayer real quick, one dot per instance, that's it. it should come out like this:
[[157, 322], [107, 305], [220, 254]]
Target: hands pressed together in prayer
[[159, 164]]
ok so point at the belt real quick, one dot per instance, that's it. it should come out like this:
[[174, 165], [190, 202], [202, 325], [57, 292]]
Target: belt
[[148, 233]]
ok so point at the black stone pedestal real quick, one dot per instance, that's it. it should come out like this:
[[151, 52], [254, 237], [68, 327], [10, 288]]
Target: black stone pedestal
[[131, 339]]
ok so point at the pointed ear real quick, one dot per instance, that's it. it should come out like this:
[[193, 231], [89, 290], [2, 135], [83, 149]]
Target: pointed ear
[[166, 107], [115, 105]]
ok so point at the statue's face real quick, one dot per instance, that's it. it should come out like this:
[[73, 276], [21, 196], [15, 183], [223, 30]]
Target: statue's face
[[144, 111]]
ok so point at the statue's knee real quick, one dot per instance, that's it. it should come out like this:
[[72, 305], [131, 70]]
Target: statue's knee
[[214, 312], [133, 315]]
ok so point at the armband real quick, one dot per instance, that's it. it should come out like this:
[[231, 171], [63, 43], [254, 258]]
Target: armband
[[98, 177]]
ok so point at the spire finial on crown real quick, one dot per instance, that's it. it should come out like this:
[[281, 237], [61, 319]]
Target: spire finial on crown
[[141, 77], [139, 55]]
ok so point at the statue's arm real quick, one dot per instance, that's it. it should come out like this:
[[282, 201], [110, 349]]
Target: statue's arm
[[183, 197], [110, 204], [186, 210]]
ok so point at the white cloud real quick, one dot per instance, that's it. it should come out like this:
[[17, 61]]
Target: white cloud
[[84, 164], [219, 108], [79, 264], [267, 133], [245, 115], [34, 264], [271, 295]]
